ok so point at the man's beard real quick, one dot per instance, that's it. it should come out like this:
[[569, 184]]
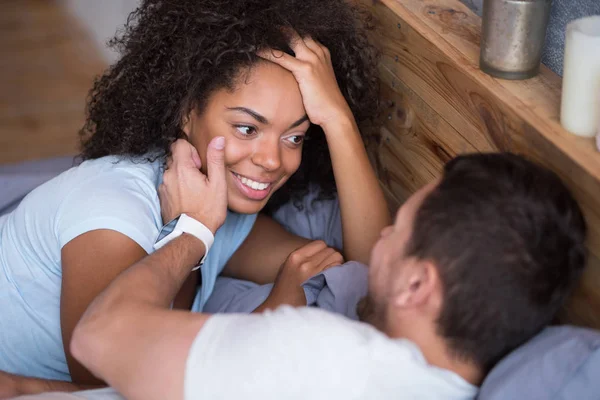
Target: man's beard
[[365, 309]]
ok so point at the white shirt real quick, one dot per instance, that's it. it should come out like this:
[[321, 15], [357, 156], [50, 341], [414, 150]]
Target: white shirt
[[307, 353]]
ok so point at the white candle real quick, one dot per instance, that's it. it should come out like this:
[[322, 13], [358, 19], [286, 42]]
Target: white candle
[[580, 109]]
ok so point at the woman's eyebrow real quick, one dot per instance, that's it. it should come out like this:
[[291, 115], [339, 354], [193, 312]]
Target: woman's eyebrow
[[251, 113], [264, 120], [299, 122]]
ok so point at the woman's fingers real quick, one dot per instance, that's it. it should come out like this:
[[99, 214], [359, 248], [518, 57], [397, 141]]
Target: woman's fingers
[[307, 50], [282, 59], [320, 258], [305, 254], [306, 47], [331, 258], [315, 257], [317, 48]]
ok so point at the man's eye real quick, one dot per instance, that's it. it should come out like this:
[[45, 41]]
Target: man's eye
[[246, 130], [296, 139]]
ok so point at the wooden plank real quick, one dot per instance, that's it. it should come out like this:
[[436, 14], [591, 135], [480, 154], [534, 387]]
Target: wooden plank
[[440, 104]]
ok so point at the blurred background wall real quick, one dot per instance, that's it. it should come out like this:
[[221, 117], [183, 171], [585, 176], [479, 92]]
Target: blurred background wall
[[51, 50]]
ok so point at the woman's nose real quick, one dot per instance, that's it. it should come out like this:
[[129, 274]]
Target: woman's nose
[[267, 155]]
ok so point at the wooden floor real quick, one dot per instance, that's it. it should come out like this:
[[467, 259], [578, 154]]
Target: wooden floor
[[47, 65]]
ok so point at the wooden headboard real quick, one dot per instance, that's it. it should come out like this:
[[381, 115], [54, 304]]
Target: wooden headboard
[[438, 104]]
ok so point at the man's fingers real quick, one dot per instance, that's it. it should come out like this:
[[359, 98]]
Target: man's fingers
[[196, 157], [215, 160], [181, 153]]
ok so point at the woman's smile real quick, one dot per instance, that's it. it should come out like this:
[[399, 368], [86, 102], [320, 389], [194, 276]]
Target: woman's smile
[[254, 189]]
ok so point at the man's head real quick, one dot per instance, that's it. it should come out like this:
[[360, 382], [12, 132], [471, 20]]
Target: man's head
[[483, 258]]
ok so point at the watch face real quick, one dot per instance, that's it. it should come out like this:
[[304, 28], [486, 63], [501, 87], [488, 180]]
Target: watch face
[[168, 228]]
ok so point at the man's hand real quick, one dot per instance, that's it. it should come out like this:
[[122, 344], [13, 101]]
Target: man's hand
[[187, 190], [301, 265]]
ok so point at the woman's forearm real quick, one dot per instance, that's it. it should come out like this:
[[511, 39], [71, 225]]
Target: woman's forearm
[[156, 279], [31, 386], [363, 206], [116, 318]]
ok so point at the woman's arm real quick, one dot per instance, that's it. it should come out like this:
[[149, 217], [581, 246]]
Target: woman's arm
[[89, 263], [263, 252], [362, 203], [363, 207], [14, 385]]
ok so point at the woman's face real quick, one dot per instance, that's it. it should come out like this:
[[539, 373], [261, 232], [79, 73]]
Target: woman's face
[[264, 123]]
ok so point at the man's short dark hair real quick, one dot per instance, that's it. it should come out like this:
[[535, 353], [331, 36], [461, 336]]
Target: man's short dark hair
[[508, 240]]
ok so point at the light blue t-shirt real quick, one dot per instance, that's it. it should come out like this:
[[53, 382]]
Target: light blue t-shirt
[[98, 194]]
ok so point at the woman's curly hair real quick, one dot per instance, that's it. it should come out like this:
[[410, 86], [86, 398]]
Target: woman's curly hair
[[175, 53]]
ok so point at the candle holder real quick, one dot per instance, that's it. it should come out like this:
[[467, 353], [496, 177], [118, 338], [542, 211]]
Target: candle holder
[[513, 37], [580, 106]]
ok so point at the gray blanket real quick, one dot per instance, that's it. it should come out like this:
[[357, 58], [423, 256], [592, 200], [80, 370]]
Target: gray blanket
[[338, 289]]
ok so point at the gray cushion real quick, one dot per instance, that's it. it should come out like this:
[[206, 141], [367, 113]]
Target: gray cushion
[[560, 363]]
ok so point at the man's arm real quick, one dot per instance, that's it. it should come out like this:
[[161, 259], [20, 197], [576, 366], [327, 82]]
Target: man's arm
[[129, 338]]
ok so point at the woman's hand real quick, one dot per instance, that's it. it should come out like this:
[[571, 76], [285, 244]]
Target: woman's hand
[[185, 189], [362, 203], [306, 262], [312, 68], [301, 265]]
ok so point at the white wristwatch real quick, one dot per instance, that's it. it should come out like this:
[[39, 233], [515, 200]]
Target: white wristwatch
[[189, 225]]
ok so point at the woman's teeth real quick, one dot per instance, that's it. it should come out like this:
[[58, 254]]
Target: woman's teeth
[[253, 184]]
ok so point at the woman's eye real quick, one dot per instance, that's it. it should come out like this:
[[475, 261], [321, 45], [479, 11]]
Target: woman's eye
[[296, 139], [246, 130]]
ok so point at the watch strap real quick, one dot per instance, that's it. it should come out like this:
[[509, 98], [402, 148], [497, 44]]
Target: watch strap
[[189, 225]]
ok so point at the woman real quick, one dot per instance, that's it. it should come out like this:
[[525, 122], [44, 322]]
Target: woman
[[259, 73]]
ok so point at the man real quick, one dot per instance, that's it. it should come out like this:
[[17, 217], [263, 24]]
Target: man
[[474, 265]]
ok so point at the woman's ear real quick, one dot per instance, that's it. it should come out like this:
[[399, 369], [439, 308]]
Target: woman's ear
[[187, 123]]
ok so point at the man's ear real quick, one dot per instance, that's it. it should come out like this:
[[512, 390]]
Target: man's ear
[[420, 281]]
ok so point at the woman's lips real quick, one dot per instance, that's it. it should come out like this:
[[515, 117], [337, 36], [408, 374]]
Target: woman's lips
[[252, 189]]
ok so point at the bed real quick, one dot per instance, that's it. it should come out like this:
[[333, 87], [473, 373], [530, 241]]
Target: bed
[[437, 104]]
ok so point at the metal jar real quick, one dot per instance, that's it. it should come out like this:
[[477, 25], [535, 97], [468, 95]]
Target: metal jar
[[513, 36]]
